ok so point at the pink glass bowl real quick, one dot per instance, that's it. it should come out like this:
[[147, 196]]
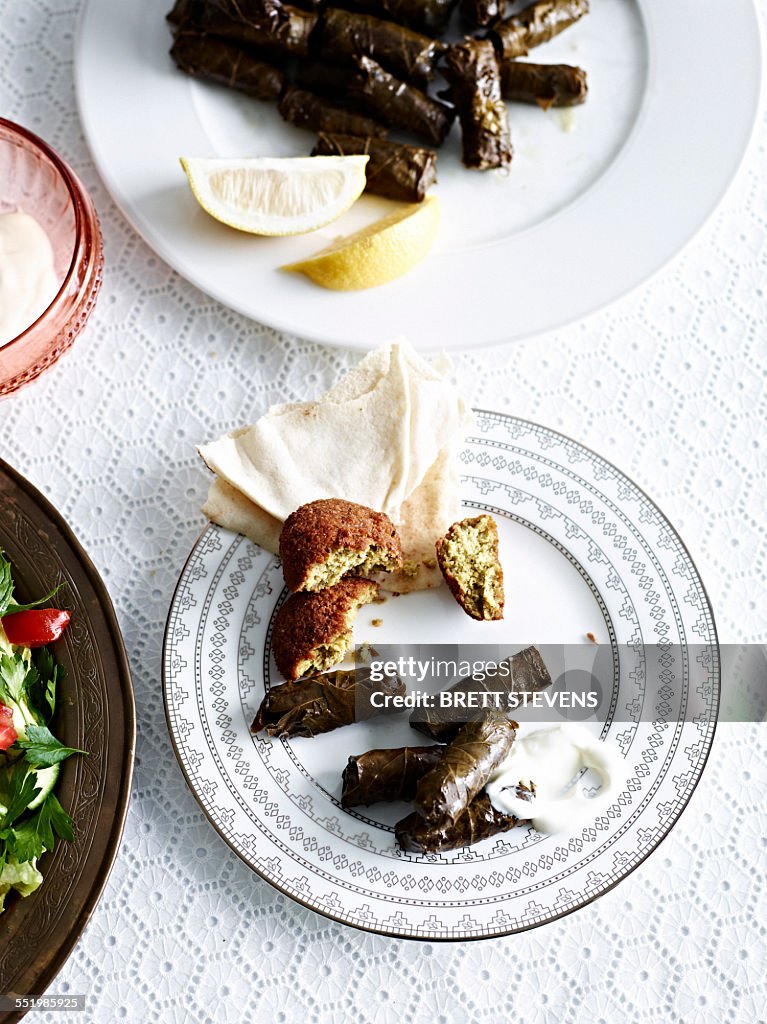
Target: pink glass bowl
[[38, 182]]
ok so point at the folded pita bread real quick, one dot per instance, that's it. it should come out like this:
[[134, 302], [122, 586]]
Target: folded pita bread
[[386, 436], [230, 508]]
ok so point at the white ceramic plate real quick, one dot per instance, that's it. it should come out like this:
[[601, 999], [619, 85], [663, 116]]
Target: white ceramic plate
[[584, 550], [598, 198]]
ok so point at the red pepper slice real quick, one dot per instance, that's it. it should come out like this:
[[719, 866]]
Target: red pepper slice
[[8, 734], [35, 627]]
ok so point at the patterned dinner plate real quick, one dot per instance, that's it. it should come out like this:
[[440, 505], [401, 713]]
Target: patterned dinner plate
[[584, 551]]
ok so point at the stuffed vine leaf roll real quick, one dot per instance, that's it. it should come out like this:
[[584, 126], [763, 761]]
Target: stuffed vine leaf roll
[[429, 16], [475, 87], [245, 10], [379, 775], [524, 672], [347, 36], [548, 85], [466, 765], [393, 170], [204, 56], [479, 821], [263, 24], [305, 110], [331, 80], [322, 703], [537, 24], [179, 12], [481, 13], [399, 105]]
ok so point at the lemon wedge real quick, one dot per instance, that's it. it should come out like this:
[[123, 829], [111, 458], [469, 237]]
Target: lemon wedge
[[276, 195], [378, 253]]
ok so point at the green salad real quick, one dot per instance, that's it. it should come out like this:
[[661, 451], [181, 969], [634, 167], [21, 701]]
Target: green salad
[[31, 816]]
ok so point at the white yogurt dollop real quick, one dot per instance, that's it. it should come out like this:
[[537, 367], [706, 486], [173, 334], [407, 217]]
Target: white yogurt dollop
[[28, 281], [551, 759]]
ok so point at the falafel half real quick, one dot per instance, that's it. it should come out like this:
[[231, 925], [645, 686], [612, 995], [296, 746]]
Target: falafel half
[[468, 558], [313, 631], [326, 540]]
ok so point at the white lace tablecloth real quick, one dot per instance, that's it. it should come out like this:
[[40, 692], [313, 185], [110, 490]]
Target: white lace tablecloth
[[670, 384]]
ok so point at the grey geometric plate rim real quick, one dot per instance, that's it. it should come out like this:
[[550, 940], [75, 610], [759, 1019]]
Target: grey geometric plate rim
[[522, 449]]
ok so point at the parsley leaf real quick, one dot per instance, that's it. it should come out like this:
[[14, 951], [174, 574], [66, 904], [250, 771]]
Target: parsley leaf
[[60, 820], [12, 607], [32, 837], [17, 791], [43, 749], [13, 672], [41, 687], [35, 835], [18, 679], [6, 584]]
